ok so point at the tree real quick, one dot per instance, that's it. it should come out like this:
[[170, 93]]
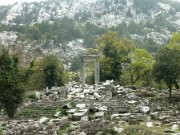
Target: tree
[[76, 63], [140, 66], [48, 71], [175, 39], [114, 52], [53, 71], [167, 66], [11, 83]]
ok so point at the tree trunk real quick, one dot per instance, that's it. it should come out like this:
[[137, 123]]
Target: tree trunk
[[170, 91], [132, 82]]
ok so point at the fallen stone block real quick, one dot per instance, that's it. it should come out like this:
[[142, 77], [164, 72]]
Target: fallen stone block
[[80, 113], [99, 114], [175, 127], [145, 109], [80, 106], [57, 114], [71, 111], [96, 95], [43, 120]]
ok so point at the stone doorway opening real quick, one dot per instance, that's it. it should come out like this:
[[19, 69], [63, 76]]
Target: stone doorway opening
[[86, 59]]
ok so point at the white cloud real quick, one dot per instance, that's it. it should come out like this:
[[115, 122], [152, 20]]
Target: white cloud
[[6, 2]]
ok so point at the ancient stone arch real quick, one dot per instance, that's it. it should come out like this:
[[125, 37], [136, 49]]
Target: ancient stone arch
[[85, 60]]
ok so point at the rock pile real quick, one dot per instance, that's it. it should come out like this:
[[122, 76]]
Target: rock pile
[[106, 102]]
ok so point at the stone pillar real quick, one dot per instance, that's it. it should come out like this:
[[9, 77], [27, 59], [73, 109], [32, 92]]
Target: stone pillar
[[96, 72], [84, 73]]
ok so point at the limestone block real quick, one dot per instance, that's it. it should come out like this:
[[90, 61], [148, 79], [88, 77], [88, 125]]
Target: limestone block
[[131, 102], [149, 124], [96, 95], [145, 109], [71, 111], [57, 114], [80, 113], [175, 127], [99, 114], [80, 106], [43, 120]]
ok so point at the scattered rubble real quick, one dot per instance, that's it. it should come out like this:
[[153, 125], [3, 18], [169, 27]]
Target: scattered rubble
[[63, 109]]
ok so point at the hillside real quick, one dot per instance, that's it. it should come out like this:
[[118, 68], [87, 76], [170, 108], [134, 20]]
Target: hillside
[[55, 26]]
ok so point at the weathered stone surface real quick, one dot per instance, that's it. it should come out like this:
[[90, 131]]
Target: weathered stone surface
[[154, 115], [131, 102], [87, 91], [82, 133], [145, 109], [96, 95], [119, 130], [114, 116], [57, 114], [127, 108], [84, 118], [80, 106], [149, 124], [175, 127], [71, 111], [102, 108], [38, 95], [80, 113], [43, 120], [99, 114]]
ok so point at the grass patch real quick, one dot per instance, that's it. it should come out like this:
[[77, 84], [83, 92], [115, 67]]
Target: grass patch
[[1, 131], [142, 129], [137, 130], [63, 126], [145, 94], [91, 128]]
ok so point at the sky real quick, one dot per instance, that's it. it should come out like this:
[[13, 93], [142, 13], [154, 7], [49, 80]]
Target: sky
[[6, 2]]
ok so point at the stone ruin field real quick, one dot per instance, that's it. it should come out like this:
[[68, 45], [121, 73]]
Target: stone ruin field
[[104, 109]]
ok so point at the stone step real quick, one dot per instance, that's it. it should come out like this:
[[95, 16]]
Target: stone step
[[38, 111]]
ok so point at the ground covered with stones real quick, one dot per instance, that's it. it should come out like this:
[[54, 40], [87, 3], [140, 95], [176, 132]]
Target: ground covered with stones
[[104, 109]]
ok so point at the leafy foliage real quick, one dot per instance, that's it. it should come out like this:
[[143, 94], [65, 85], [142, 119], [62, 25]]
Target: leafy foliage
[[48, 72], [145, 5], [60, 31], [53, 71], [115, 52], [76, 63], [11, 86], [140, 65], [167, 64]]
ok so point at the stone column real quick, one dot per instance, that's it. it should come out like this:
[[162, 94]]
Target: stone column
[[84, 73], [96, 72]]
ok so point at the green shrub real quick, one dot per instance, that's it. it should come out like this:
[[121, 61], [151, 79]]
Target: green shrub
[[91, 128], [1, 130], [11, 83], [110, 131], [32, 96], [137, 130]]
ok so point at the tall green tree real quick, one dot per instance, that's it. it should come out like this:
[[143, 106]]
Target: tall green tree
[[76, 63], [114, 51], [53, 71], [48, 71], [11, 83], [167, 66], [141, 63], [175, 39]]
